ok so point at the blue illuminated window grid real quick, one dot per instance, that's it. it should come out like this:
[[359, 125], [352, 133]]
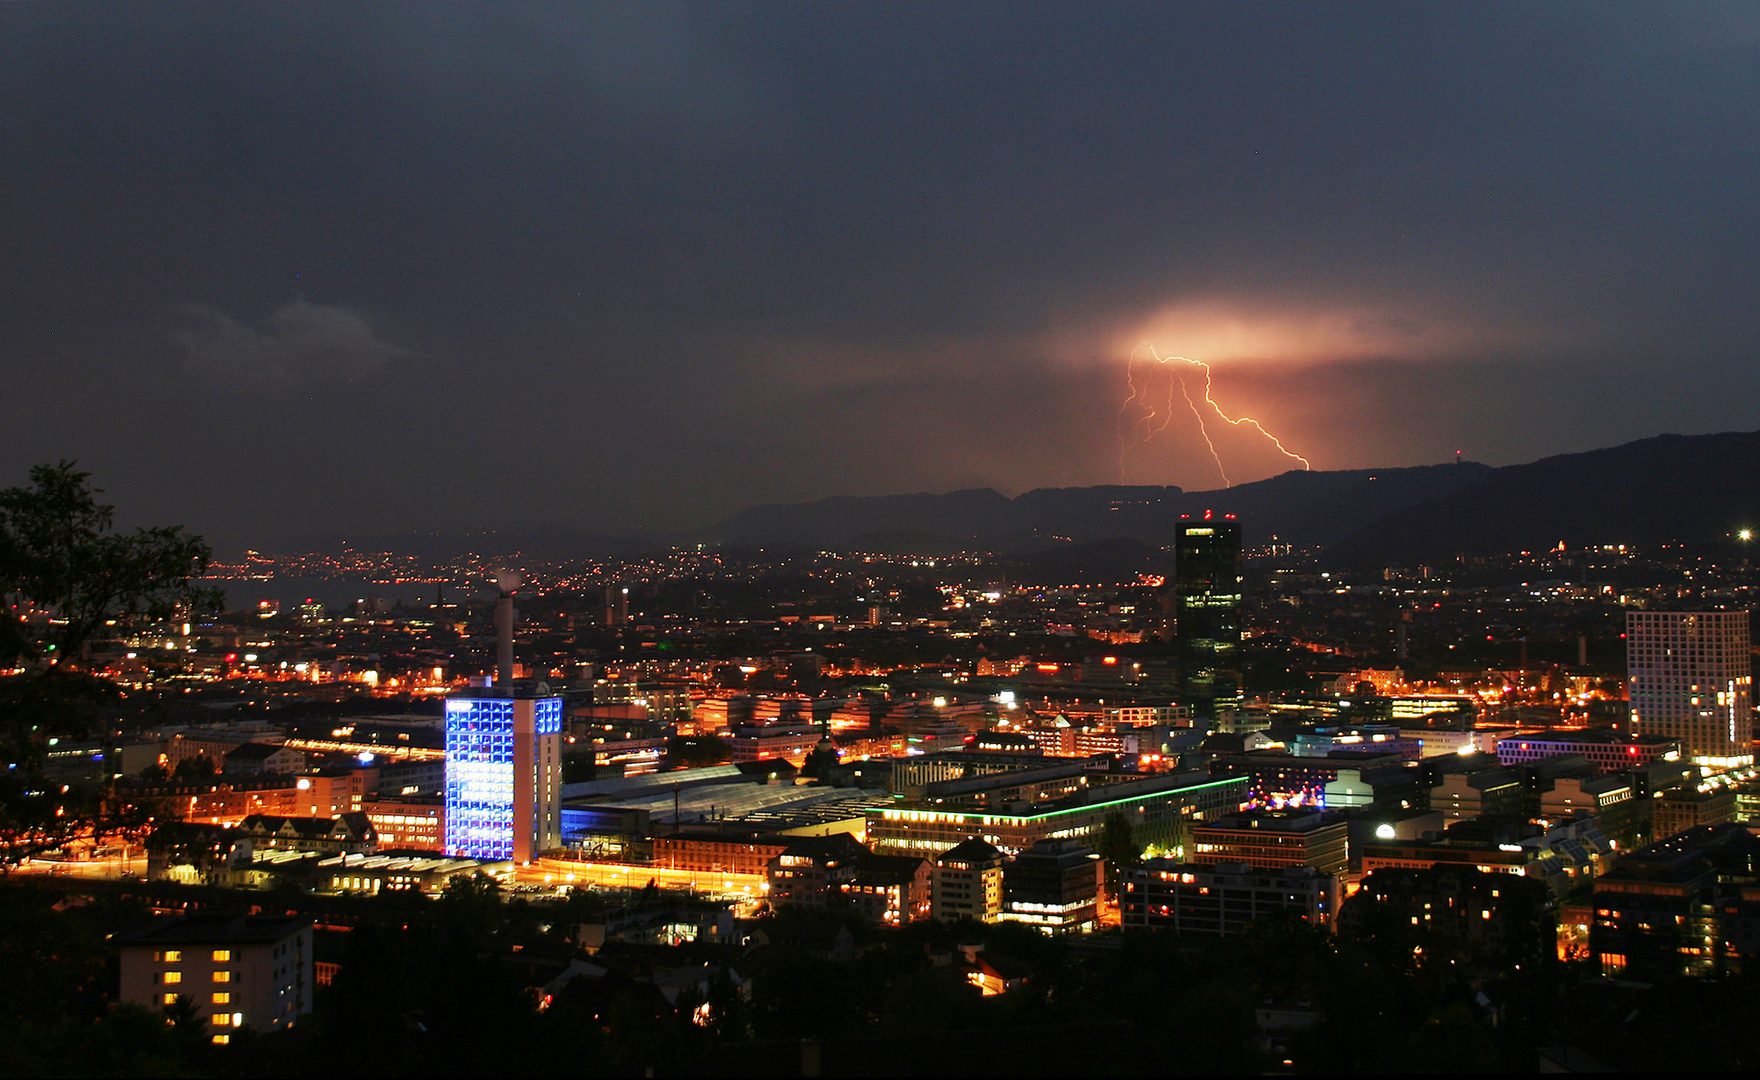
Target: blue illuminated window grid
[[479, 772], [479, 778], [548, 720]]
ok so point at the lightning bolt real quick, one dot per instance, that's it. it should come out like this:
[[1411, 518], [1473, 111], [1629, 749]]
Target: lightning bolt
[[1203, 429], [1155, 419]]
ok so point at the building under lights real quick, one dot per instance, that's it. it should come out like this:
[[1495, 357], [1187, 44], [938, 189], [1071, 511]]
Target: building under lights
[[1207, 610], [1316, 839], [1014, 813], [231, 972], [1223, 900], [1608, 751], [1690, 678], [503, 775]]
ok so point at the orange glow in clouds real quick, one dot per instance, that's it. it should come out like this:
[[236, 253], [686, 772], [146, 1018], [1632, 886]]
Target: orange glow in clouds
[[1155, 417]]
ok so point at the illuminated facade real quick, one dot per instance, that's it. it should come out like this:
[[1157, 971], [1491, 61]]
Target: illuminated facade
[[408, 823], [1054, 885], [791, 744], [1607, 750], [1207, 609], [1276, 779], [1690, 677], [967, 883], [1161, 809], [503, 776], [1262, 839]]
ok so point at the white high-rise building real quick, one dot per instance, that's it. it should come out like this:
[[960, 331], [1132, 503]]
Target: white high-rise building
[[1690, 677]]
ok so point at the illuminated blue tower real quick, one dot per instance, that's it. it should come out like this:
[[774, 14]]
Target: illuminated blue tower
[[503, 763]]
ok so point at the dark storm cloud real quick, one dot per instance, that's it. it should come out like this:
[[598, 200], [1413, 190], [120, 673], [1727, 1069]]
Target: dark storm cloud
[[299, 342], [637, 265]]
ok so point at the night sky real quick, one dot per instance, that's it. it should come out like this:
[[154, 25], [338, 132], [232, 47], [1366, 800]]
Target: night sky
[[281, 271]]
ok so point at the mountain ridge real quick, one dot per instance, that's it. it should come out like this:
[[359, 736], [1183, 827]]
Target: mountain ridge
[[1697, 489]]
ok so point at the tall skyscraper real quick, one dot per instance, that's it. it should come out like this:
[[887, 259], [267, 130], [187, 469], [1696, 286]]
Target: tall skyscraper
[[503, 762], [1690, 677], [1207, 612]]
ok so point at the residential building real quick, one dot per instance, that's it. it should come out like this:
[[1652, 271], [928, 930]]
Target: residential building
[[255, 759], [1462, 795], [1690, 678], [967, 883], [1610, 799], [346, 832], [1146, 715], [254, 971], [718, 852], [1564, 855], [1689, 806], [1686, 905], [1495, 918], [891, 890], [1223, 899], [914, 771], [373, 873], [791, 744], [811, 871], [329, 792]]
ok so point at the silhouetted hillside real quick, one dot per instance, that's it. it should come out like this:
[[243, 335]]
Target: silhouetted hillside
[[1689, 489], [1307, 509], [1695, 490]]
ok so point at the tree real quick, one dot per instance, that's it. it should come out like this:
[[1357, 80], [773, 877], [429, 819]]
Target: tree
[[60, 558], [821, 763], [195, 770], [1118, 847]]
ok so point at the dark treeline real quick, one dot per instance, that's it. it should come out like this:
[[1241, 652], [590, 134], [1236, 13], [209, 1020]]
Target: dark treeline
[[446, 987]]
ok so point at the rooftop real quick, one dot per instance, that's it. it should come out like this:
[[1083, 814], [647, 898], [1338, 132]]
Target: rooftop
[[216, 930]]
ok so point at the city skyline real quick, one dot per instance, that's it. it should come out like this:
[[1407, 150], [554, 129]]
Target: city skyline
[[633, 269], [896, 538]]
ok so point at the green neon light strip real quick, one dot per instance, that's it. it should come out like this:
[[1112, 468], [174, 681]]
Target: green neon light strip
[[1242, 780]]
